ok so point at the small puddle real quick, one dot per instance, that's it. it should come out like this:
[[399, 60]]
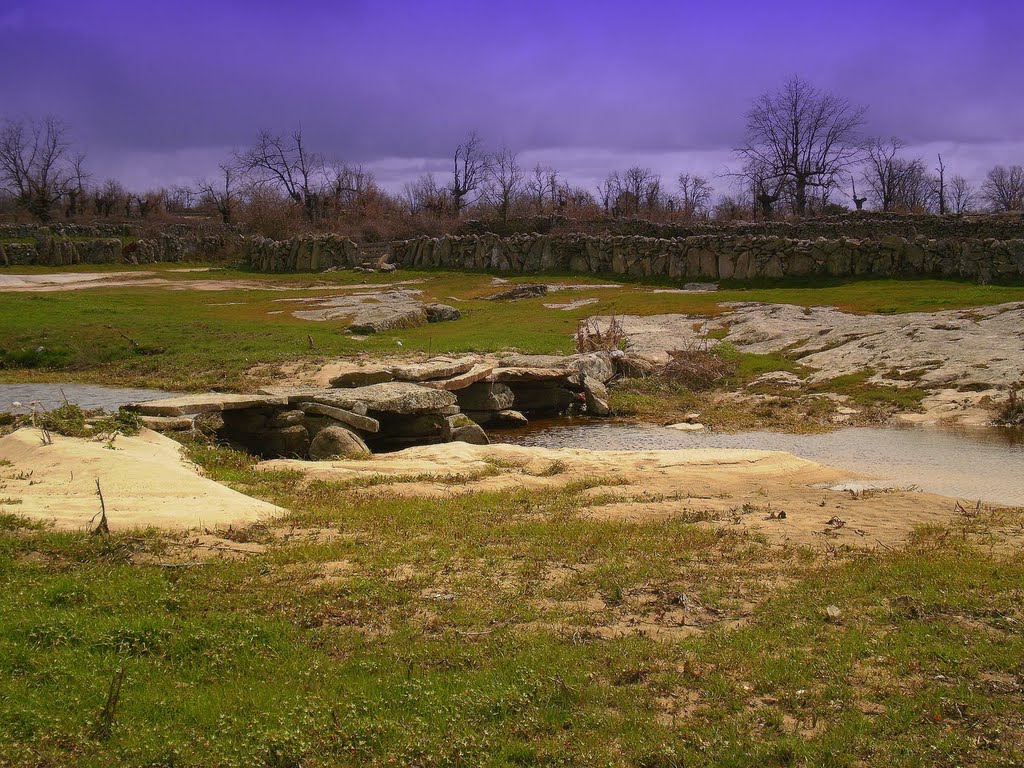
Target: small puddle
[[88, 396], [986, 464]]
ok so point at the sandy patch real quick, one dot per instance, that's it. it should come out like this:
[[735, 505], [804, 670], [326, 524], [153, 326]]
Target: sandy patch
[[145, 482], [721, 487]]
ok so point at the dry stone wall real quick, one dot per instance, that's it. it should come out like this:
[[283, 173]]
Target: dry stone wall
[[741, 257], [87, 245]]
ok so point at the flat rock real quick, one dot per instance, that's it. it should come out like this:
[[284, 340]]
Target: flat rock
[[352, 419], [210, 402], [525, 291], [362, 377], [517, 375], [472, 376], [596, 364], [687, 426], [167, 423], [396, 397], [438, 368]]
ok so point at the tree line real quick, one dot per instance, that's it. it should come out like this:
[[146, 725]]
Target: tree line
[[803, 153]]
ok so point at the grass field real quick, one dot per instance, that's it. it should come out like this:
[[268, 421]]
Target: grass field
[[504, 629], [188, 339]]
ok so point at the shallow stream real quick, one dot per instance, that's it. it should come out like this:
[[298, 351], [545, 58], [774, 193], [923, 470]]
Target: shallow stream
[[983, 464], [88, 396]]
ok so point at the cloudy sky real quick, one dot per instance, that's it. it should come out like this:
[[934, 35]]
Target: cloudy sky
[[160, 93]]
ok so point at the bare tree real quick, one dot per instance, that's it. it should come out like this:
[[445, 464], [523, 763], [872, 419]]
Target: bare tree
[[222, 194], [35, 163], [504, 180], [287, 163], [961, 194], [886, 174], [694, 195], [470, 169], [424, 194], [1003, 188], [940, 189], [75, 191], [804, 136], [638, 187], [608, 190], [542, 184], [108, 197]]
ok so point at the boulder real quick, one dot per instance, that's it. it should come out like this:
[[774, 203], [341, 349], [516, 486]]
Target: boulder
[[285, 419], [596, 396], [525, 291], [285, 442], [462, 429], [336, 441], [441, 313], [485, 396], [350, 418]]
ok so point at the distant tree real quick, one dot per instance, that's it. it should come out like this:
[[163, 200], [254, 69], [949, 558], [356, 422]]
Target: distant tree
[[348, 185], [694, 195], [108, 197], [961, 194], [885, 172], [803, 136], [36, 165], [1003, 188], [469, 171], [287, 163], [638, 187], [916, 192], [542, 185], [608, 190], [940, 187], [424, 195], [222, 194], [504, 180], [75, 190]]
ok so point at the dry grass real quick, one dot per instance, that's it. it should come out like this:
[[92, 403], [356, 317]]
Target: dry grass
[[698, 366], [590, 337]]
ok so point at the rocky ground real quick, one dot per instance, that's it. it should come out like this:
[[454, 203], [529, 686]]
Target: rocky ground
[[963, 359]]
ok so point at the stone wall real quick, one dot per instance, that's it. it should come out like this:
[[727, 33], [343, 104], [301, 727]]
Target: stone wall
[[56, 247], [742, 257]]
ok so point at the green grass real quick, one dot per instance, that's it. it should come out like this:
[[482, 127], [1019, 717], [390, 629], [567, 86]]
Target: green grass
[[192, 339], [443, 641]]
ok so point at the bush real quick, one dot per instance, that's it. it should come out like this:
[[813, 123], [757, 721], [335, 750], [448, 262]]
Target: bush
[[590, 337], [699, 367], [1011, 412]]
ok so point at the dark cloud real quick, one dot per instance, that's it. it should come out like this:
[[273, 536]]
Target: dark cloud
[[373, 80]]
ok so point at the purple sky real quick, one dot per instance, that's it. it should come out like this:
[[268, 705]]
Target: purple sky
[[159, 93]]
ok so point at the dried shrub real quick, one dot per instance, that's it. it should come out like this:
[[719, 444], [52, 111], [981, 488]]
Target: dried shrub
[[591, 338], [698, 366], [1011, 411]]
